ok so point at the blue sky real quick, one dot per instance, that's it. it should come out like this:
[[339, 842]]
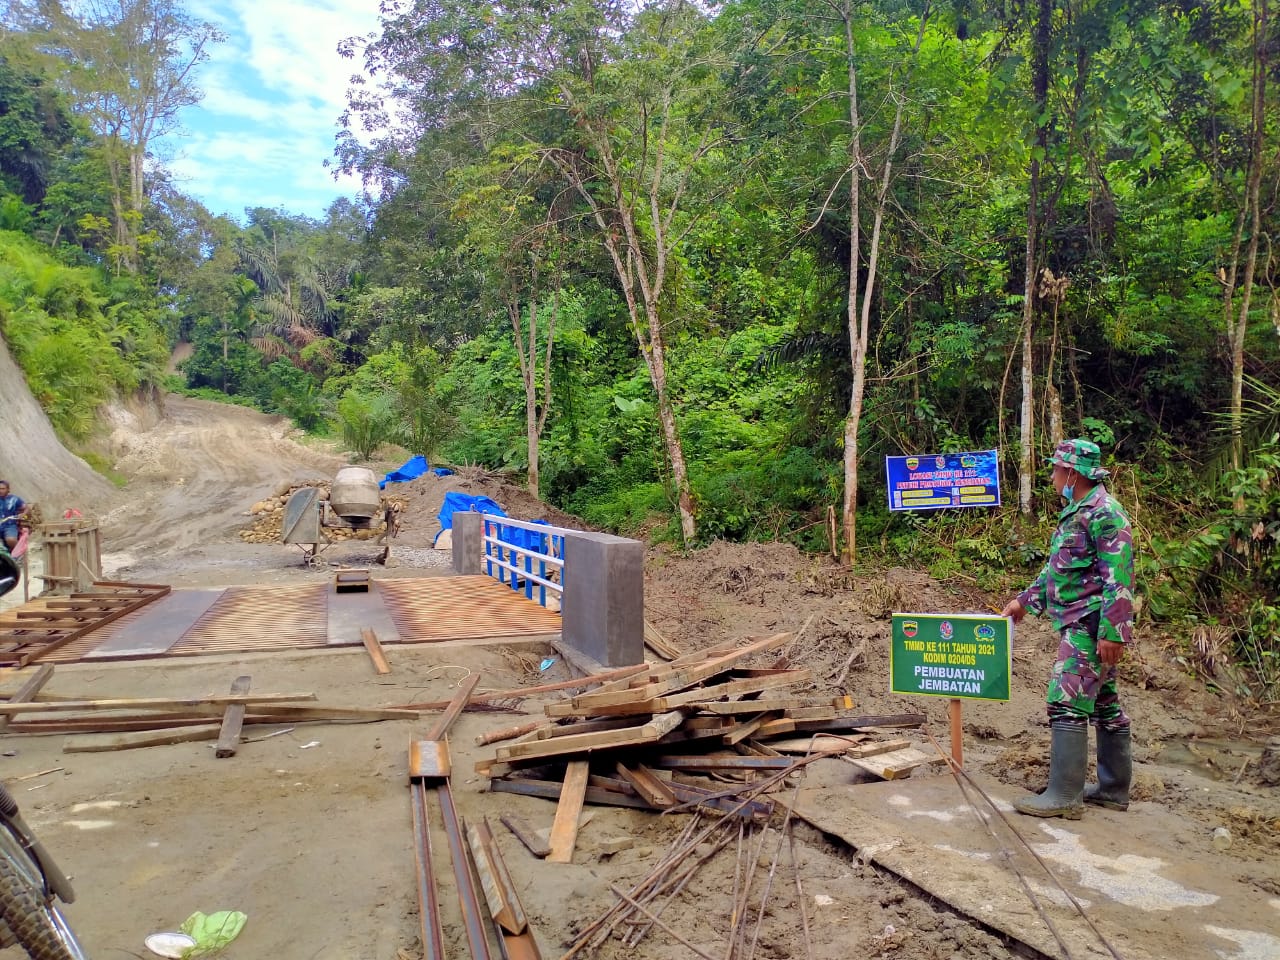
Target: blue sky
[[273, 92]]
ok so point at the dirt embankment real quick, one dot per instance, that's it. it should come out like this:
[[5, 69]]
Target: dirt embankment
[[39, 469]]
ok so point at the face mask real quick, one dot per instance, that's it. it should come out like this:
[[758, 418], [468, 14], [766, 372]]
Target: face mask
[[1069, 492]]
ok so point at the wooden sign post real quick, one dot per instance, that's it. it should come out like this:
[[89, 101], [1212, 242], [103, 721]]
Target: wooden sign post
[[961, 656]]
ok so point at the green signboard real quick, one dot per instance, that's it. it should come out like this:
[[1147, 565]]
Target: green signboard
[[961, 655]]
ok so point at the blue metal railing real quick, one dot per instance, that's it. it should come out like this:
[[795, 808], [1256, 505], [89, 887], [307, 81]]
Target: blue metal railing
[[525, 555]]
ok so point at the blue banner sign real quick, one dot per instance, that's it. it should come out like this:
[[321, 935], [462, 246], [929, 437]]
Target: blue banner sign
[[935, 482]]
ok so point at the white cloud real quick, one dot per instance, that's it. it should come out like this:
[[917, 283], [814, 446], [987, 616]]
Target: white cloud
[[273, 94]]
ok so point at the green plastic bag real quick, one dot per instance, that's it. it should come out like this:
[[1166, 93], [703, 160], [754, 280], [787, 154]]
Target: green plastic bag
[[212, 932]]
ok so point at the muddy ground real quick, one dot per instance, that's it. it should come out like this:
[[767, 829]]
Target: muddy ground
[[309, 832]]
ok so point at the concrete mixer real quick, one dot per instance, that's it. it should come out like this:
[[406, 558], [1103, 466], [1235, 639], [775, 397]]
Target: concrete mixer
[[354, 503]]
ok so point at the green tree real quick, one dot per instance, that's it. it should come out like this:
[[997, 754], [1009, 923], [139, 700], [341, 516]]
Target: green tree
[[130, 67]]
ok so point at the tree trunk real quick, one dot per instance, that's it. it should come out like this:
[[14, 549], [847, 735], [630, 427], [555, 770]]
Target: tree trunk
[[1237, 325], [631, 261], [860, 325], [1040, 88], [857, 342]]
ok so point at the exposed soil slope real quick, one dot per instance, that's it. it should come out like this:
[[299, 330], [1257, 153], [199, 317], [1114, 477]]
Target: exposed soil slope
[[39, 469]]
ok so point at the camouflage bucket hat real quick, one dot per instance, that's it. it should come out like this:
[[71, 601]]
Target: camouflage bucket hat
[[1082, 456]]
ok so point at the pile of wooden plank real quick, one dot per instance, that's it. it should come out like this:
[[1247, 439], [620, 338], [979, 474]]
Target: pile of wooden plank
[[123, 723], [634, 740]]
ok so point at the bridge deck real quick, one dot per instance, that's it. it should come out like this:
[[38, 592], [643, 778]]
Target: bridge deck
[[247, 619]]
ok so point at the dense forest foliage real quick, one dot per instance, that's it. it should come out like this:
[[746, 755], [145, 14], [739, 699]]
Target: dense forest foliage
[[694, 270]]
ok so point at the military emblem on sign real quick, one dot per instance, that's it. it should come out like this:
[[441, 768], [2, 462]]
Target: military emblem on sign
[[940, 462], [910, 628], [945, 630], [913, 462], [984, 631]]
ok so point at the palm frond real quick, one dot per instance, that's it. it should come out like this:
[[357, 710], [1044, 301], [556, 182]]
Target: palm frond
[[1259, 425], [801, 348]]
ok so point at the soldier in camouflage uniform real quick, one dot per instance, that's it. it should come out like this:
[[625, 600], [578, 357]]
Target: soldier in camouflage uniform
[[1086, 586]]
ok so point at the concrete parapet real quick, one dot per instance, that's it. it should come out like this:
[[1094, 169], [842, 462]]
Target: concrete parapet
[[468, 543], [603, 603]]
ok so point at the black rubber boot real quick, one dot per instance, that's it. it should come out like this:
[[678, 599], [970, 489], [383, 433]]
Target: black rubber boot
[[1115, 770], [1065, 794]]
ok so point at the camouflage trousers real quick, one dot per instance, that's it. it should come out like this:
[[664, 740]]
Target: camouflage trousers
[[1082, 687]]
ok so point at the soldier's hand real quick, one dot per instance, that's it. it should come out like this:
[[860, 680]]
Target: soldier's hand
[[1015, 610], [1110, 652]]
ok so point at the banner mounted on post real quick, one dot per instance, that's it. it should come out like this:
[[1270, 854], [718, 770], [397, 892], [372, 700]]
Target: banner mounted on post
[[939, 481], [957, 655]]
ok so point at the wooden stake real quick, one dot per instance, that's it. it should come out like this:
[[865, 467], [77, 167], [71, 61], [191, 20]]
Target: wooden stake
[[232, 721], [957, 737]]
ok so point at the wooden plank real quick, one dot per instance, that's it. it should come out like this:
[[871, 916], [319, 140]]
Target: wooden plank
[[533, 843], [372, 645], [647, 784], [745, 729], [718, 659], [820, 743], [495, 882], [600, 740], [895, 765], [656, 642], [564, 830], [668, 681], [232, 721], [786, 725], [585, 726], [98, 723], [151, 703], [27, 692], [626, 703], [149, 738], [720, 762], [551, 790], [456, 706]]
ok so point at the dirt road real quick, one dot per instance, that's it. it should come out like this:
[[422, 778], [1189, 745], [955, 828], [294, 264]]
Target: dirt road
[[309, 832], [192, 476]]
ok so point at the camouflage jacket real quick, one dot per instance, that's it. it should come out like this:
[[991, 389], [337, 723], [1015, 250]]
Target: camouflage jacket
[[1089, 570]]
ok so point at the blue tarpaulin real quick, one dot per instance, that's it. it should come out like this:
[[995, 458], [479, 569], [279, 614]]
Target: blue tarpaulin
[[455, 502], [442, 471], [413, 468], [526, 539]]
